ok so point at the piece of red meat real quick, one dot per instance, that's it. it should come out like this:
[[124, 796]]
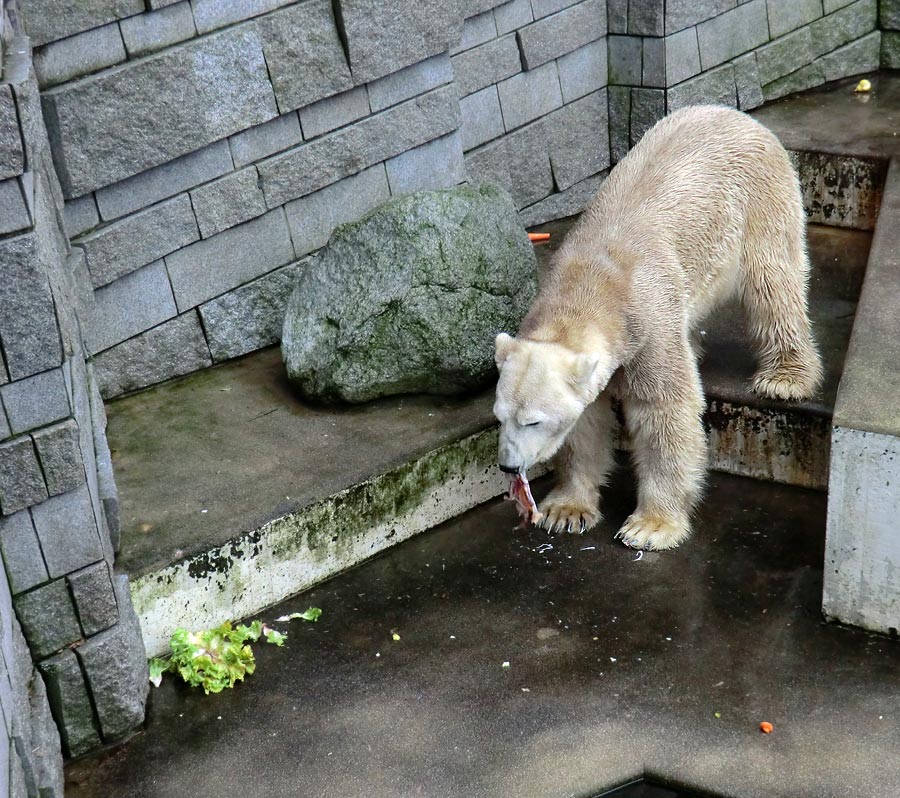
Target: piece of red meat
[[520, 493]]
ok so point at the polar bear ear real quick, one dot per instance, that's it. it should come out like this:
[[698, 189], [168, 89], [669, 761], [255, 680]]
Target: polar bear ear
[[587, 374], [503, 345]]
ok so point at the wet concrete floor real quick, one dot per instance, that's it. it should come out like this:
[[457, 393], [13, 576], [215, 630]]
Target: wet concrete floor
[[618, 669]]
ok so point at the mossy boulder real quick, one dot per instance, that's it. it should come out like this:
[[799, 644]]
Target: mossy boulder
[[409, 298]]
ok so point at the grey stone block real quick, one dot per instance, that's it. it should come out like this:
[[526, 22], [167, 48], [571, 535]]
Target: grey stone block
[[472, 8], [853, 22], [654, 63], [14, 212], [785, 17], [528, 161], [5, 431], [490, 164], [304, 54], [544, 8], [44, 752], [78, 55], [35, 401], [617, 16], [115, 664], [547, 39], [564, 203], [475, 31], [318, 163], [228, 201], [60, 457], [312, 218], [834, 5], [802, 79], [156, 30], [67, 530], [12, 153], [715, 86], [890, 49], [334, 112], [648, 106], [784, 55], [266, 139], [125, 245], [157, 108], [129, 306], [21, 480], [167, 180], [170, 350], [70, 703], [646, 18], [21, 552], [252, 316], [410, 82], [95, 600], [863, 55], [683, 13], [379, 40], [625, 54], [578, 138], [747, 83], [583, 70], [888, 14], [733, 33], [80, 215], [619, 121], [482, 119], [213, 14], [481, 66], [48, 618], [682, 56], [49, 20], [216, 265], [28, 325], [437, 164], [529, 95], [513, 15]]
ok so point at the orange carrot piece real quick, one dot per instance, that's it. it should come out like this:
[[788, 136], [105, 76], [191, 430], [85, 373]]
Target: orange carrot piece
[[539, 236], [766, 728]]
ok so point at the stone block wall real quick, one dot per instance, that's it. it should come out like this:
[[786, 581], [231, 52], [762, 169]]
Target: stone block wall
[[58, 505], [889, 22]]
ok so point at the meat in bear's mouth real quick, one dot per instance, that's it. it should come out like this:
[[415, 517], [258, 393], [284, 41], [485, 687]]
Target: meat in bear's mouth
[[520, 493]]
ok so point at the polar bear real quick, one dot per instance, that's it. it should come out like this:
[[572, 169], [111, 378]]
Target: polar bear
[[706, 207]]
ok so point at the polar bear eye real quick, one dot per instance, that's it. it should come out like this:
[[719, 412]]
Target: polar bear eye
[[532, 424]]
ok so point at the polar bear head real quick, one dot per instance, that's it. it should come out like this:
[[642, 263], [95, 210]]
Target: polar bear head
[[543, 390]]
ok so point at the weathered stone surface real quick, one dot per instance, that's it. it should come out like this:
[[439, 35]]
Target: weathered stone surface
[[682, 13], [512, 15], [116, 667], [12, 154], [80, 215], [528, 161], [544, 8], [45, 756], [125, 245], [482, 119], [167, 180], [48, 618], [549, 38], [619, 120], [304, 54], [334, 112], [410, 82], [646, 18], [733, 33], [14, 212], [129, 306], [49, 20], [802, 79], [492, 62], [79, 55], [863, 55], [252, 316], [312, 218], [834, 5], [648, 106], [70, 703], [682, 56], [60, 456], [409, 298], [106, 482], [654, 63], [21, 552], [21, 481], [318, 163], [529, 95], [67, 530], [747, 83], [851, 23], [35, 401], [156, 30], [266, 139], [785, 17], [235, 256], [625, 53], [890, 49], [888, 12], [564, 203], [475, 31], [583, 71], [490, 164], [784, 55], [578, 139], [437, 164], [617, 16], [212, 14], [157, 108], [715, 86], [380, 40], [228, 201], [170, 350], [95, 600]]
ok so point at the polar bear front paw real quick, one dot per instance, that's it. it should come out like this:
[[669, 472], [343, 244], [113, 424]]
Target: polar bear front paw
[[565, 511], [655, 533]]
